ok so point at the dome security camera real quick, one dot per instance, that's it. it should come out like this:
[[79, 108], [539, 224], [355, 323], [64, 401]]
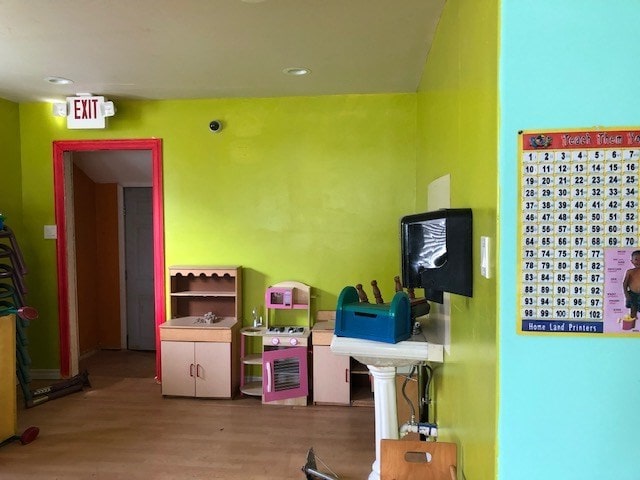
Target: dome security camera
[[215, 126]]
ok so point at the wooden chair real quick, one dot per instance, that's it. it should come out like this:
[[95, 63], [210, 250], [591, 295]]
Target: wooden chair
[[417, 460]]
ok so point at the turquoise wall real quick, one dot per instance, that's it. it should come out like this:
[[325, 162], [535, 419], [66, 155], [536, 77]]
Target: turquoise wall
[[303, 188], [10, 171], [567, 405], [457, 136]]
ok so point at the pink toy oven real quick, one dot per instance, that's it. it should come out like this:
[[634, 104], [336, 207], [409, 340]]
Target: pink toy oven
[[285, 364]]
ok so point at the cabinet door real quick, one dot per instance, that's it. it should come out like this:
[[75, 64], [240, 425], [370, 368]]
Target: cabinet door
[[284, 374], [331, 375], [213, 369], [178, 368]]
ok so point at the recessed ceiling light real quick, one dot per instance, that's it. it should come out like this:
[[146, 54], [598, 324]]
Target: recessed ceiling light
[[296, 71], [58, 80]]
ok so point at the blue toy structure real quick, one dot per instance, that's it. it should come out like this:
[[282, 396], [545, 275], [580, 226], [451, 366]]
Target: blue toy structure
[[382, 322]]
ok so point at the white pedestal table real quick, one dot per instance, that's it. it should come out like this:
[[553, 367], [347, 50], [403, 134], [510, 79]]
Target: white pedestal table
[[382, 360]]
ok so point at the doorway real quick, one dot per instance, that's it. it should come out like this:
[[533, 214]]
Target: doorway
[[63, 153]]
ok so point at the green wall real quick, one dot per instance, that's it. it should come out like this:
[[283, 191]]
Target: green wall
[[302, 188], [10, 171], [457, 135]]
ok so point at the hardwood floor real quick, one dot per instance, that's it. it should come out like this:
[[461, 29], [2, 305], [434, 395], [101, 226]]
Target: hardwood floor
[[123, 428]]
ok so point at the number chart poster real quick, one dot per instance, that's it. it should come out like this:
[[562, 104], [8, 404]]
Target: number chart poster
[[578, 227]]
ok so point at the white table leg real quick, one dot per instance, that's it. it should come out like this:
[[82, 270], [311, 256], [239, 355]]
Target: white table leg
[[386, 417]]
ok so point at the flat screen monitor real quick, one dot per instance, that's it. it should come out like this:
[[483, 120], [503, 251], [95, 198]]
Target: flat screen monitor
[[436, 250]]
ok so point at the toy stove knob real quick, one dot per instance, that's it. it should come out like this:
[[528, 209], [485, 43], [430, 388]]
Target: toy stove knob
[[275, 341], [293, 341]]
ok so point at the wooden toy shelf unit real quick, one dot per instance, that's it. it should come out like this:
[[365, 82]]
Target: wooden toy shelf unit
[[197, 290]]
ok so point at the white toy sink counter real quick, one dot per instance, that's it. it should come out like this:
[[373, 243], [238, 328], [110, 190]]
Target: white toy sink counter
[[195, 330], [382, 359]]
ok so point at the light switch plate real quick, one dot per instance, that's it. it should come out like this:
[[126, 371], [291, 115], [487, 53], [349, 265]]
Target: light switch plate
[[485, 257], [50, 232]]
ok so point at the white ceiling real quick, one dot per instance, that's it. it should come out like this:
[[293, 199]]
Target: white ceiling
[[129, 168], [160, 49]]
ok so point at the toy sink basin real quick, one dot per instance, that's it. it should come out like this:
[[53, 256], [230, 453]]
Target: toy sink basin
[[189, 329]]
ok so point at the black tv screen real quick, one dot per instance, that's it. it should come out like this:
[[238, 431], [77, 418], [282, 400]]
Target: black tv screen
[[436, 250]]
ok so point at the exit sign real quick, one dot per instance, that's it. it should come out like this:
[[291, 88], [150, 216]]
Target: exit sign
[[87, 111]]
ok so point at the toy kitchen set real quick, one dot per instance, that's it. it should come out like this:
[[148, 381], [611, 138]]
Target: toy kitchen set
[[285, 346], [291, 346], [206, 352]]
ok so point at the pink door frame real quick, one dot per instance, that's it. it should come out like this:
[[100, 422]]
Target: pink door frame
[[59, 149]]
